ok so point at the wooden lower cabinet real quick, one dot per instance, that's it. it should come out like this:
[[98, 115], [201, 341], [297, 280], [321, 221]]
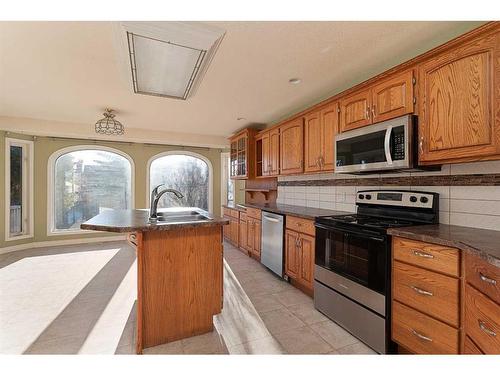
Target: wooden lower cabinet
[[482, 308], [299, 256], [426, 288], [253, 236], [422, 334], [439, 309], [292, 265], [242, 235]]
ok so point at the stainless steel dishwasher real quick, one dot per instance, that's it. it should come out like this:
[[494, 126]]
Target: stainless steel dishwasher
[[271, 254]]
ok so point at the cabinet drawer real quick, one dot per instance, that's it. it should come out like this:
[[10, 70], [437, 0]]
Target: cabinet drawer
[[433, 257], [422, 334], [243, 216], [484, 276], [300, 225], [427, 291], [470, 347], [227, 211], [235, 214], [482, 321], [253, 212]]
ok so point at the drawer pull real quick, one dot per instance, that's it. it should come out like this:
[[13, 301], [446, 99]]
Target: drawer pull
[[422, 254], [420, 336], [421, 291], [483, 327], [487, 279]]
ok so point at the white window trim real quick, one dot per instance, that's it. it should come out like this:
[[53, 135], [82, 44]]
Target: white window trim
[[188, 153], [51, 231], [28, 167]]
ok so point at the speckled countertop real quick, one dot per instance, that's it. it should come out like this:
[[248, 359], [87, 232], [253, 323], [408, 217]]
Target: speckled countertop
[[124, 221], [285, 209], [480, 242]]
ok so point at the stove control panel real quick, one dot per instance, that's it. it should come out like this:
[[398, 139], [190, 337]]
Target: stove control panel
[[418, 199]]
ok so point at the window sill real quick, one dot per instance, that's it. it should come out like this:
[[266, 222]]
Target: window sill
[[70, 232], [18, 238]]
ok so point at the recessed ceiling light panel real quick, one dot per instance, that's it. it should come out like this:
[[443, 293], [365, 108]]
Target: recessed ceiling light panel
[[294, 81], [169, 58]]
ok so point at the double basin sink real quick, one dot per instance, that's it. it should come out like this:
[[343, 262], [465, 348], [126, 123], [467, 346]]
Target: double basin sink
[[180, 217]]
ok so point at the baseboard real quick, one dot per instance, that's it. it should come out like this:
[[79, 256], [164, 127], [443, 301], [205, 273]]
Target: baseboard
[[76, 241]]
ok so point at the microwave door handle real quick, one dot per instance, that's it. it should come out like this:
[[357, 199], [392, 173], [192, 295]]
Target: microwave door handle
[[387, 145]]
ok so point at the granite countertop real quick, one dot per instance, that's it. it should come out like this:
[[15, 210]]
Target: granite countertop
[[286, 209], [123, 221], [238, 207], [480, 242]]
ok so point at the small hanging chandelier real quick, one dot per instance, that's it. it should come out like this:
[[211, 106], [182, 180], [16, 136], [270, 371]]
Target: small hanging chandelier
[[108, 125]]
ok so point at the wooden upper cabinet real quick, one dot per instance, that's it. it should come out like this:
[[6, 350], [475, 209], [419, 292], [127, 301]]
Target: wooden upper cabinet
[[265, 154], [312, 139], [319, 132], [459, 118], [393, 97], [274, 152], [242, 154], [329, 128], [355, 110], [292, 147]]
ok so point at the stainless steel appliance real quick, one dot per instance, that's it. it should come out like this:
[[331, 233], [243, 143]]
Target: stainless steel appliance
[[271, 253], [352, 260], [384, 146]]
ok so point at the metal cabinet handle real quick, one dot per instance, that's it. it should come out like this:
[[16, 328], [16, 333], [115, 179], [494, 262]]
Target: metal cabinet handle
[[420, 336], [487, 279], [422, 254], [483, 327], [421, 144], [373, 111], [421, 291], [367, 113]]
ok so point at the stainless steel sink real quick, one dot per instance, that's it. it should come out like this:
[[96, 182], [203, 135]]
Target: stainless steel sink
[[177, 213], [182, 218]]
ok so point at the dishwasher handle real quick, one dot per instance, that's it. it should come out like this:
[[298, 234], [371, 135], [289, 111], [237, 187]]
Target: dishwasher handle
[[271, 219]]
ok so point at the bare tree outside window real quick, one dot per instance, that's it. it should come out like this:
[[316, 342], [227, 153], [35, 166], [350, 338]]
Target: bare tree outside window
[[87, 183], [188, 174]]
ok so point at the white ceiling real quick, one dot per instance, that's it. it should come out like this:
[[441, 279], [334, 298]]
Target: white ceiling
[[68, 72]]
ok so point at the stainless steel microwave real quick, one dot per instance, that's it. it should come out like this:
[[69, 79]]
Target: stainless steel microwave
[[384, 146]]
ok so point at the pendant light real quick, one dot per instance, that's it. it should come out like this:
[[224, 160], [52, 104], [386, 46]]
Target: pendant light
[[108, 125]]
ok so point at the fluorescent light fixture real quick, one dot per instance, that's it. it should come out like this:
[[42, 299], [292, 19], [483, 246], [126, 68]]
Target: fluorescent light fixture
[[169, 59]]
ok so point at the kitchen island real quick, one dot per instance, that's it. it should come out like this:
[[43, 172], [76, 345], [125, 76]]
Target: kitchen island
[[179, 270]]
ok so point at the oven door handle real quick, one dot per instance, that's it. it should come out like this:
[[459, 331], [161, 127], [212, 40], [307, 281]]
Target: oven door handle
[[359, 234], [387, 144]]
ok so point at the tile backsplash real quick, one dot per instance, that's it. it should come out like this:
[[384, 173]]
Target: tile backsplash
[[472, 205]]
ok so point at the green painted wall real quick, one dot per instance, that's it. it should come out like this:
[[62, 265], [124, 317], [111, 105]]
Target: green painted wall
[[46, 146]]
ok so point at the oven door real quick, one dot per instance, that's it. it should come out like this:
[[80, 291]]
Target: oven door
[[360, 256], [376, 147]]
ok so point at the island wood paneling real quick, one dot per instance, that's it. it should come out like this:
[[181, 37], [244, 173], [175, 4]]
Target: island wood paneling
[[179, 284]]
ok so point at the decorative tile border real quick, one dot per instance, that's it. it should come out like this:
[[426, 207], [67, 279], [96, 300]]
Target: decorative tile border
[[428, 180]]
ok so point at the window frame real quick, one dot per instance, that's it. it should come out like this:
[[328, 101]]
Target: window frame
[[27, 188], [187, 153], [51, 230]]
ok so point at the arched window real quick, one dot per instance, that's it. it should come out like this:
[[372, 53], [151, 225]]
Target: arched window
[[187, 172], [85, 181]]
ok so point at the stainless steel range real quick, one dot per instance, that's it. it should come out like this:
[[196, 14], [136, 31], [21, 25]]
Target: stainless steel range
[[352, 260]]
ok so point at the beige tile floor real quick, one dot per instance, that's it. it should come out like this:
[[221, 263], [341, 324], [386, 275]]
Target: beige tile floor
[[81, 300]]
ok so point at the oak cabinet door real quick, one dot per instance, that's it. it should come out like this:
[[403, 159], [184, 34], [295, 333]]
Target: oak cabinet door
[[292, 265], [458, 103], [226, 229], [257, 237], [266, 160], [250, 235], [329, 128], [393, 97], [306, 260], [313, 142], [234, 231], [292, 147], [355, 110], [274, 152], [243, 234]]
